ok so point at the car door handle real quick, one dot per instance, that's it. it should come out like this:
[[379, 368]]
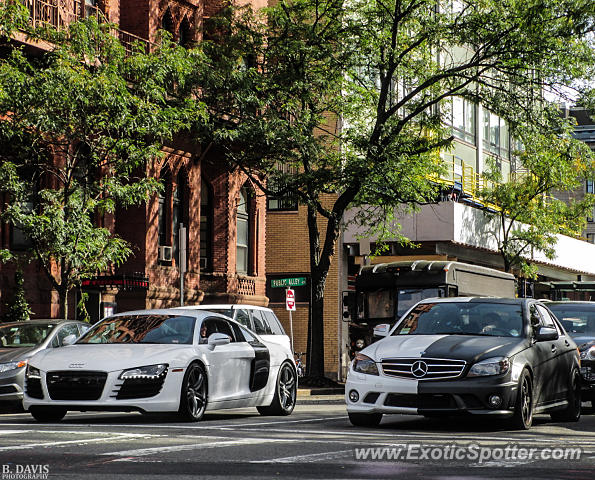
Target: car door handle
[[567, 343], [554, 349]]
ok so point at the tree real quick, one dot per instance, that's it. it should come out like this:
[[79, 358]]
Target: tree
[[531, 216], [351, 95], [79, 126], [18, 308]]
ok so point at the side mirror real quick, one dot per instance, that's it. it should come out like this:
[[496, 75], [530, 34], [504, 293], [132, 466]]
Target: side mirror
[[217, 339], [381, 330], [69, 340], [544, 334]]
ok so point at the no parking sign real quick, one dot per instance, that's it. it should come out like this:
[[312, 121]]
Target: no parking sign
[[290, 300]]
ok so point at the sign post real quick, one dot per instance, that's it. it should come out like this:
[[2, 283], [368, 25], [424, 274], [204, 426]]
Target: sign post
[[290, 306]]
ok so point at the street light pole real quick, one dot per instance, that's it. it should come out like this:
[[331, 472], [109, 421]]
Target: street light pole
[[182, 260]]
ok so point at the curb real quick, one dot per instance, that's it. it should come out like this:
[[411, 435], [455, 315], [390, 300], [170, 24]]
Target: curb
[[320, 400]]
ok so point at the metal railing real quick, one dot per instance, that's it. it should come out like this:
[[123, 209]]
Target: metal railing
[[59, 14]]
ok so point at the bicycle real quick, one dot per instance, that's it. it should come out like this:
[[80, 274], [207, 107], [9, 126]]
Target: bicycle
[[299, 365]]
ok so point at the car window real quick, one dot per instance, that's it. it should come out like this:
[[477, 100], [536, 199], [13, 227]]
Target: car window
[[463, 318], [63, 333], [25, 335], [577, 319], [248, 336], [224, 327], [261, 325], [546, 319], [274, 322], [143, 328], [237, 331], [84, 328], [243, 317]]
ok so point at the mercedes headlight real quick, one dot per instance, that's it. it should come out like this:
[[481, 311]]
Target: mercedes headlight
[[490, 366], [364, 364], [147, 372], [588, 354], [7, 367]]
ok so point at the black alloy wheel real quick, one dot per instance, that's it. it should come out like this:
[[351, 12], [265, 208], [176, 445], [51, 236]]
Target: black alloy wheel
[[285, 393], [193, 397], [523, 411]]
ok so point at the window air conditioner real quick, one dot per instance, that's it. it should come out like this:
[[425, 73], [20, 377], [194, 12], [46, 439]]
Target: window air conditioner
[[165, 253]]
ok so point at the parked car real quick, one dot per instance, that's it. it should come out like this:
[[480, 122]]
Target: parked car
[[261, 320], [578, 319], [170, 360], [486, 356], [21, 340]]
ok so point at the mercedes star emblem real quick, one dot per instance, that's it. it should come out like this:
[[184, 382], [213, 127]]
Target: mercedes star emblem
[[419, 369]]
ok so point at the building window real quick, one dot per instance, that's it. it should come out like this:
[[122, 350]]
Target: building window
[[496, 138], [463, 119], [243, 232], [206, 226], [589, 186], [167, 22], [178, 210], [18, 238], [184, 39], [163, 208], [591, 237], [287, 201]]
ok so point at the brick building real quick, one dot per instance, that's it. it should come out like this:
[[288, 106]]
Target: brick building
[[224, 217]]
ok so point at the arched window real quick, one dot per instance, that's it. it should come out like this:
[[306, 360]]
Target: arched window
[[163, 206], [184, 39], [167, 22], [243, 232], [206, 226]]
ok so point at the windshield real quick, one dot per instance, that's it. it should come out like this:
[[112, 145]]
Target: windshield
[[166, 329], [26, 335], [463, 318], [223, 311], [577, 319]]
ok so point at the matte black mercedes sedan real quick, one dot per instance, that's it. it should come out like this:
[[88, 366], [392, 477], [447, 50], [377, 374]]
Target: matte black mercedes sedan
[[486, 356]]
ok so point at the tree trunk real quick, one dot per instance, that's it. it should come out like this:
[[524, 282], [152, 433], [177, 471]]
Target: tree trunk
[[315, 364], [63, 299]]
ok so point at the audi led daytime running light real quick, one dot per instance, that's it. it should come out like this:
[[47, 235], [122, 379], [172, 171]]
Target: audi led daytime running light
[[146, 372]]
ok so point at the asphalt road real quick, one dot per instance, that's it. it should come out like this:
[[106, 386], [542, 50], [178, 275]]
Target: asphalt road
[[317, 441]]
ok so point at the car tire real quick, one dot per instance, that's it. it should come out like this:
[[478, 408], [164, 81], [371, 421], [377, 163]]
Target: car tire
[[365, 419], [47, 414], [194, 393], [523, 408], [285, 393], [572, 413]]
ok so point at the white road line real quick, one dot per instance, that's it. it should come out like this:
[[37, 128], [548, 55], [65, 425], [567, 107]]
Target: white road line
[[313, 457], [82, 441], [194, 446], [13, 432]]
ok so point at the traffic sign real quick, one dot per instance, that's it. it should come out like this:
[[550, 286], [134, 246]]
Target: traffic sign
[[288, 282], [290, 300]]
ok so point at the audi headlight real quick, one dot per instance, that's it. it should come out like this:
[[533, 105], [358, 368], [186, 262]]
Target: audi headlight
[[7, 367], [364, 364], [490, 366], [148, 372], [588, 354], [32, 372]]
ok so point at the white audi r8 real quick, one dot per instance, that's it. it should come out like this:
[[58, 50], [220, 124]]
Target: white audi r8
[[185, 361]]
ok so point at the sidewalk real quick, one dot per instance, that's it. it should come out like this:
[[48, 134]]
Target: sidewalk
[[321, 396]]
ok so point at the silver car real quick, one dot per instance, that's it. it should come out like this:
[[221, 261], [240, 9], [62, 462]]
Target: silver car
[[21, 340]]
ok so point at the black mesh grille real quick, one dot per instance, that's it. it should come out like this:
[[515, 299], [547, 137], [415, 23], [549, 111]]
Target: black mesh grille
[[8, 389], [371, 397], [82, 385], [33, 388], [429, 401], [140, 387]]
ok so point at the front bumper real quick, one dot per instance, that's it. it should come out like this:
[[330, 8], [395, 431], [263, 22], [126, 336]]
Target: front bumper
[[11, 385], [166, 400], [381, 394]]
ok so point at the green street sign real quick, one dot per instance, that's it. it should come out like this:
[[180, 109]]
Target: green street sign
[[288, 282]]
